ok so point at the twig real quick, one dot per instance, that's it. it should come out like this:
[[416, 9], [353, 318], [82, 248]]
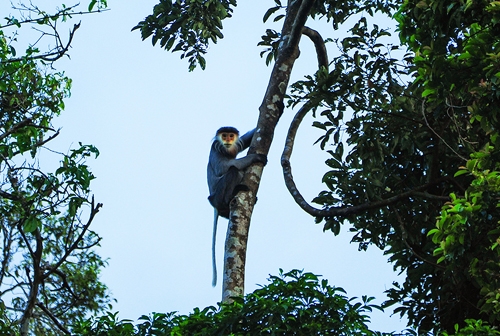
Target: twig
[[433, 131], [46, 57]]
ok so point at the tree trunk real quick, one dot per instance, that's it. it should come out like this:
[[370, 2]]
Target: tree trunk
[[270, 112]]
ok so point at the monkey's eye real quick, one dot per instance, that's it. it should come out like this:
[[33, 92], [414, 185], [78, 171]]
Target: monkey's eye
[[227, 136]]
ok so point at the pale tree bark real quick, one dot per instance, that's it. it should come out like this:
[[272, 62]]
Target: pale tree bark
[[269, 113]]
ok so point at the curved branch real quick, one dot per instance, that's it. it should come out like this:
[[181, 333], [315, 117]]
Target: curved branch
[[299, 22], [343, 210], [319, 44], [60, 53], [287, 153]]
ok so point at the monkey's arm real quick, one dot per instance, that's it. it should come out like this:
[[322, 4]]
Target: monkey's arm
[[244, 162], [218, 164], [246, 139]]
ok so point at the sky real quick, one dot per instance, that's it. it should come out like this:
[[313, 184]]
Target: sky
[[153, 123]]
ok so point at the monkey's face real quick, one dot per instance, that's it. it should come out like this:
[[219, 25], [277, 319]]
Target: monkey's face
[[228, 140]]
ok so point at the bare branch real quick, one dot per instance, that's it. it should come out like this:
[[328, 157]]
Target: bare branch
[[62, 12], [65, 11]]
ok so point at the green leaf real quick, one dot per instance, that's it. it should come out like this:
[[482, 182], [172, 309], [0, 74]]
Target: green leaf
[[31, 224], [91, 5], [428, 92], [471, 164], [461, 172], [270, 12], [432, 232]]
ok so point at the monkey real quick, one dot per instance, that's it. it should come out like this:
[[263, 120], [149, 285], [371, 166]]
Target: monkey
[[225, 173]]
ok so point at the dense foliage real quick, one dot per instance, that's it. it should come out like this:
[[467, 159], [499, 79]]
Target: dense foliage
[[187, 26], [293, 303], [459, 68], [413, 138], [49, 271]]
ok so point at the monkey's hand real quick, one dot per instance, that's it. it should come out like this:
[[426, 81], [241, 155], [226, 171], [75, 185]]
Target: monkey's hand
[[261, 158]]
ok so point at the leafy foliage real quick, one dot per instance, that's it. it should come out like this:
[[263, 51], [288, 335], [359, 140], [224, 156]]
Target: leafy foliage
[[190, 25], [49, 272], [409, 136], [474, 328], [293, 303]]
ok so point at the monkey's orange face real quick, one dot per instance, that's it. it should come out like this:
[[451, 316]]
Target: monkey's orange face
[[228, 139]]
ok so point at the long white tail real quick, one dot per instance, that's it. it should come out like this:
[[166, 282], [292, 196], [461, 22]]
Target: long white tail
[[214, 237]]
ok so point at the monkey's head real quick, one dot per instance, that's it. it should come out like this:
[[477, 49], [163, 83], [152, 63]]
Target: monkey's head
[[228, 137]]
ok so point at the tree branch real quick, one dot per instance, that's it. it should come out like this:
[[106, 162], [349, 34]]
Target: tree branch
[[65, 283], [14, 128], [94, 210], [53, 318], [15, 22], [270, 111], [46, 57], [319, 44], [344, 210], [37, 280], [41, 142]]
